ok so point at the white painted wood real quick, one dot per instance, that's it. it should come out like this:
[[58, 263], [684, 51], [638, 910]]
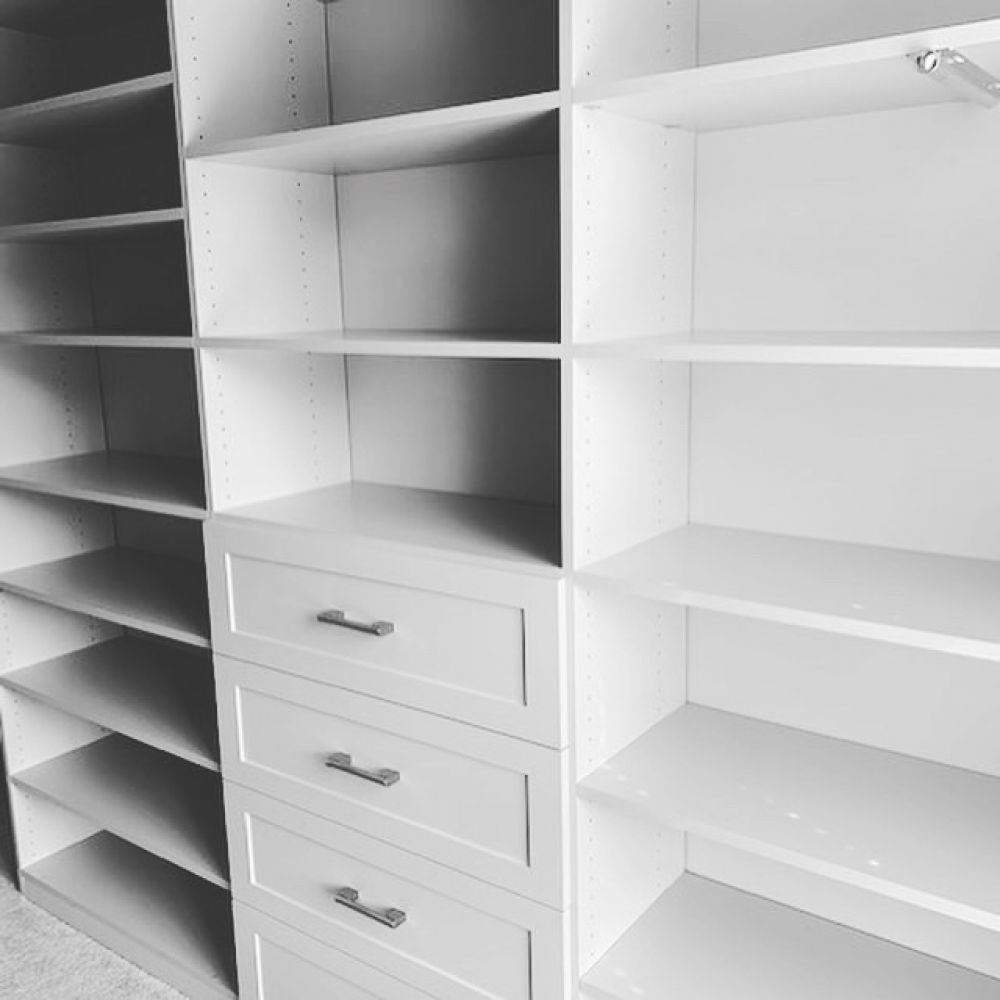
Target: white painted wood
[[466, 528], [166, 806], [517, 126], [95, 227], [41, 828], [463, 939], [427, 424], [704, 940], [276, 961], [817, 83], [424, 248], [35, 733], [631, 667], [436, 53], [46, 286], [273, 268], [872, 457], [30, 66], [478, 645], [249, 67], [911, 701], [151, 692], [631, 457], [87, 338], [276, 424], [852, 813], [174, 924], [966, 945], [488, 805], [930, 602], [36, 185], [633, 228], [810, 232]]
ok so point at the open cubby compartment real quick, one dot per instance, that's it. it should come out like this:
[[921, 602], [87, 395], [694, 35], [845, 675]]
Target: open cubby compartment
[[135, 284], [839, 816], [114, 424], [126, 166], [133, 568], [876, 230], [454, 248], [50, 48], [151, 690], [253, 67], [459, 454], [615, 39]]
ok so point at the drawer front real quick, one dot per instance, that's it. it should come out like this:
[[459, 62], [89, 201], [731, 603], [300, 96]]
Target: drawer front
[[492, 806], [456, 938], [479, 645], [278, 963]]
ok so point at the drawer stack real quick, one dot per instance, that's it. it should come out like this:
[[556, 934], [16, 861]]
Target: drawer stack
[[377, 282]]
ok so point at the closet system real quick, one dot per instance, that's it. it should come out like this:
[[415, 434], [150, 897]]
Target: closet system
[[499, 498]]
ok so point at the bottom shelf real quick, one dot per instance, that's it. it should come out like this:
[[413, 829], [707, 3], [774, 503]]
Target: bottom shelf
[[174, 925], [705, 940]]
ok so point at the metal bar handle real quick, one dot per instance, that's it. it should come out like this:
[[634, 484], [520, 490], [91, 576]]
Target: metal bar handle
[[334, 616], [390, 917], [381, 776]]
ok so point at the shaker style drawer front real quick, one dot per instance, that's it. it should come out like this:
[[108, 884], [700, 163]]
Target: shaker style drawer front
[[489, 805], [452, 936], [474, 644], [278, 963]]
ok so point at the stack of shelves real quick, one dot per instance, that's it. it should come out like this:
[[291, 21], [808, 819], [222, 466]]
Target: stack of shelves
[[105, 677], [785, 548]]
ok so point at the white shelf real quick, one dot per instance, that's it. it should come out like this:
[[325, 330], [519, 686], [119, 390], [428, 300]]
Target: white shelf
[[165, 806], [518, 126], [93, 227], [172, 924], [836, 80], [152, 593], [84, 114], [399, 343], [704, 941], [95, 338], [945, 603], [911, 830], [144, 482], [493, 530], [157, 694], [902, 349]]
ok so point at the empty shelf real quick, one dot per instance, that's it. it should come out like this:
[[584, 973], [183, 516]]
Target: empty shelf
[[401, 343], [518, 126], [837, 80], [930, 601], [166, 806], [145, 482], [152, 593], [86, 114], [95, 227], [920, 349], [495, 530], [155, 693], [173, 924], [96, 338], [704, 941], [918, 832]]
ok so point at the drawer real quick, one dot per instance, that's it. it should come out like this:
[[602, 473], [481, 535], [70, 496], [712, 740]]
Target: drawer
[[454, 937], [490, 805], [278, 963], [467, 642]]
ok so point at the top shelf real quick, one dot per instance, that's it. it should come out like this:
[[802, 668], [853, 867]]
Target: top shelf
[[519, 126], [874, 75]]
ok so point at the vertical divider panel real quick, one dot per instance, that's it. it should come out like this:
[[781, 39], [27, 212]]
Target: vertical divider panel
[[265, 250], [249, 67], [633, 228]]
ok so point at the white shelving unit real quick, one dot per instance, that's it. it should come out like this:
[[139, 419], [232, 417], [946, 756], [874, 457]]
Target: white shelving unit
[[106, 686]]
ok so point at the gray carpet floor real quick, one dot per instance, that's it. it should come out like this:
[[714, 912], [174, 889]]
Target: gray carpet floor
[[42, 958]]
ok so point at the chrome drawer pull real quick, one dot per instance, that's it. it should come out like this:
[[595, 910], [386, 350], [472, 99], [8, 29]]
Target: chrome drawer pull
[[389, 918], [342, 762], [339, 618]]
